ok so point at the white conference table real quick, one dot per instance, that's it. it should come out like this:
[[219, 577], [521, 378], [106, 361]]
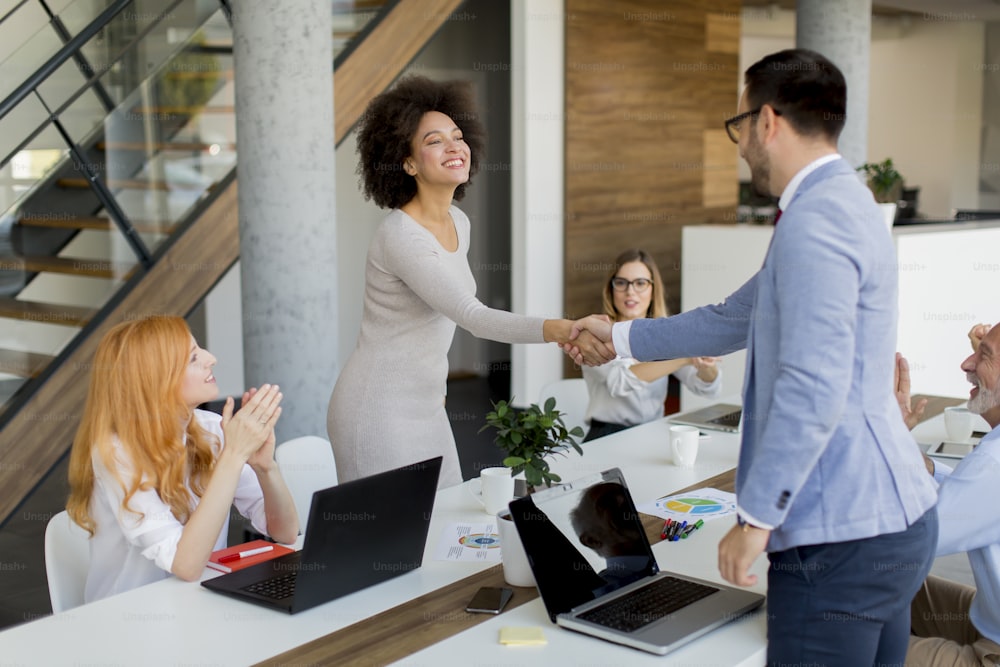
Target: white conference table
[[173, 622], [740, 643], [643, 455]]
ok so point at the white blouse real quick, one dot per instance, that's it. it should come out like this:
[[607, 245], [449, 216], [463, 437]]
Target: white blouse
[[137, 547], [617, 396]]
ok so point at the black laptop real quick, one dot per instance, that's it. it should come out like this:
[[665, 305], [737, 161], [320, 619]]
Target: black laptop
[[596, 572], [359, 533]]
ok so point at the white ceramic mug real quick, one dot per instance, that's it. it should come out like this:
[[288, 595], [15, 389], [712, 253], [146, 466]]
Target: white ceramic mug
[[495, 489], [684, 445], [516, 570], [958, 423]]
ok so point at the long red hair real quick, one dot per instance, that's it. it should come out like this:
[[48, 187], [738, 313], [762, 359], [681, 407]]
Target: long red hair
[[134, 396]]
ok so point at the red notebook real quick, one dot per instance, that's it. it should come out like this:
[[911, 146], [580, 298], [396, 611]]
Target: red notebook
[[232, 563]]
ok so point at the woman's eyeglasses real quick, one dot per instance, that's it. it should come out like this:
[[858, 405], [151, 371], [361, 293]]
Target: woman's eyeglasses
[[639, 284]]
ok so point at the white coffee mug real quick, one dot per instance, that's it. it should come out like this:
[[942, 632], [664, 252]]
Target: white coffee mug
[[684, 445], [495, 489], [516, 570], [958, 423]]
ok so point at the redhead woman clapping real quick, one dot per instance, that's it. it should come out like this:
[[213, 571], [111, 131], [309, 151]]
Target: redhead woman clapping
[[152, 478]]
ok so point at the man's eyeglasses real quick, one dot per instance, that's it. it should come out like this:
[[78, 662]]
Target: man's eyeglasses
[[639, 284], [735, 124]]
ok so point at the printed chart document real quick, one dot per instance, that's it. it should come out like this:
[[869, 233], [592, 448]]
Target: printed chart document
[[705, 504], [469, 542]]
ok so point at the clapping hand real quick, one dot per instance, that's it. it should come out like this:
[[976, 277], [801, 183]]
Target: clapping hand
[[976, 334], [706, 367], [901, 385], [250, 431]]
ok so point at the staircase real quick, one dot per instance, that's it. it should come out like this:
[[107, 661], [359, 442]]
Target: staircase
[[118, 180]]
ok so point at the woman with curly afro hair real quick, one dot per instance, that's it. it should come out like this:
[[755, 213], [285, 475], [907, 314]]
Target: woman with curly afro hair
[[419, 144]]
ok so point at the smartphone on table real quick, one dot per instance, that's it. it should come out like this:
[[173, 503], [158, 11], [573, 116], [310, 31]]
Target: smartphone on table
[[489, 600]]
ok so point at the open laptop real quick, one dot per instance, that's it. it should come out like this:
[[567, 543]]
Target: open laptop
[[717, 417], [596, 572], [359, 533]]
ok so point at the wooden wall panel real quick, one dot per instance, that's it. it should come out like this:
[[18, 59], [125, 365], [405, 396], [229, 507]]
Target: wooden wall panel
[[648, 84]]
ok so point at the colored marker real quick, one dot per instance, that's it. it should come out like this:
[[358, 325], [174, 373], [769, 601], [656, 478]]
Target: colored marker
[[245, 554], [677, 531], [693, 527], [666, 529]]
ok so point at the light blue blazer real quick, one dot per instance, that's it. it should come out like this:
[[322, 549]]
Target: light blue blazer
[[825, 456]]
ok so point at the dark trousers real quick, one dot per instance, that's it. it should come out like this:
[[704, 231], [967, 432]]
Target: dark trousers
[[599, 429], [848, 603]]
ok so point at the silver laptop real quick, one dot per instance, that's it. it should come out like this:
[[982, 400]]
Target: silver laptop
[[718, 417], [596, 572]]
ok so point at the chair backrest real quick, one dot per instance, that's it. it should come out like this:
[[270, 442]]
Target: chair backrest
[[67, 559], [307, 464], [571, 397]]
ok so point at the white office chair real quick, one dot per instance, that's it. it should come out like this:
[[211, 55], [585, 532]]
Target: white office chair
[[571, 397], [67, 559], [307, 464]]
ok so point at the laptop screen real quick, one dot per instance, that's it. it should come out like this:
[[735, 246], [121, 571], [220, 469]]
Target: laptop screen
[[583, 539]]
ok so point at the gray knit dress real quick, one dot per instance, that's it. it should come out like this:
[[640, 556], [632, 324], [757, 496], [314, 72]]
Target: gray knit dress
[[387, 409]]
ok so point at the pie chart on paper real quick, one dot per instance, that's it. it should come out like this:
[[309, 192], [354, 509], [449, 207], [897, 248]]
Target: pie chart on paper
[[695, 506], [705, 504]]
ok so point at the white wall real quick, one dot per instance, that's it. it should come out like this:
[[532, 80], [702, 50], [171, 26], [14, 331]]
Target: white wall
[[926, 110], [538, 128], [925, 99]]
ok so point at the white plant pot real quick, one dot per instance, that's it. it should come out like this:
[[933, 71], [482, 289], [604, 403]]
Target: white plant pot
[[889, 211]]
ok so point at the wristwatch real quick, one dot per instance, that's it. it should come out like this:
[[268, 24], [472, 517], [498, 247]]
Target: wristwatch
[[743, 523]]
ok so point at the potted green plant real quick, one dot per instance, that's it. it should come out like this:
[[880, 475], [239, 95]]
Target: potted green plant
[[527, 436], [885, 182]]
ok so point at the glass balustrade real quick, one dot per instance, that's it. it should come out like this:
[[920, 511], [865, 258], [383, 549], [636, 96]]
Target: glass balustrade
[[146, 109]]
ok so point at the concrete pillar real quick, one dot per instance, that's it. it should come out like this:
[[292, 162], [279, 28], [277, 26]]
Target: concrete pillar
[[841, 30], [283, 56]]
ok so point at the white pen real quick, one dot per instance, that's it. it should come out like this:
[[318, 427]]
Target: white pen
[[245, 554]]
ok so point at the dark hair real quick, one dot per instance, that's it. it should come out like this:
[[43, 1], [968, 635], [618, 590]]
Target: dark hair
[[387, 128], [808, 90]]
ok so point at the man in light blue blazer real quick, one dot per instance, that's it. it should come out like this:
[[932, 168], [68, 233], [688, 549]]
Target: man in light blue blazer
[[829, 481]]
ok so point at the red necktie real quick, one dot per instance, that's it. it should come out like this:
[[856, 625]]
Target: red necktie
[[777, 216]]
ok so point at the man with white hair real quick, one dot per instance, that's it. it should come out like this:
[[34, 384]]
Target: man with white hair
[[954, 624]]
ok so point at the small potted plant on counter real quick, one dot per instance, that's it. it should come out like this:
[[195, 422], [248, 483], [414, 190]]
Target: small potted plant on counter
[[886, 184], [527, 436]]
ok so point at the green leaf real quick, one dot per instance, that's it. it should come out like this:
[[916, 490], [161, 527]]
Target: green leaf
[[550, 403], [513, 461]]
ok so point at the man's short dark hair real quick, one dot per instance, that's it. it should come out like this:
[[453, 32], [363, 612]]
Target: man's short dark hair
[[806, 88]]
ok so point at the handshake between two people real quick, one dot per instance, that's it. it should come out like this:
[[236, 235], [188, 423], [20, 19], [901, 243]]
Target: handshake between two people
[[587, 341]]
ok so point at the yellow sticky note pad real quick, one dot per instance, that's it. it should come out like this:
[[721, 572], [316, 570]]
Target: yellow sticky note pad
[[522, 636]]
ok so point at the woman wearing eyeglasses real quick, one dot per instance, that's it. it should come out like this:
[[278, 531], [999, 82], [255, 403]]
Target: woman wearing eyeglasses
[[624, 392]]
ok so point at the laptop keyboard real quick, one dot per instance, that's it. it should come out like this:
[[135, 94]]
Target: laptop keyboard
[[647, 604], [276, 588]]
